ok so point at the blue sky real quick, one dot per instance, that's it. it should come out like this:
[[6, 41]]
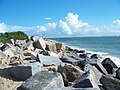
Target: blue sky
[[58, 18]]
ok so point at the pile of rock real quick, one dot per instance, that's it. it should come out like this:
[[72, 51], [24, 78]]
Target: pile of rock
[[42, 64]]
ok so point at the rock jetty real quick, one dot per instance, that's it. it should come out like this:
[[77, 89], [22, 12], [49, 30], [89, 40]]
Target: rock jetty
[[38, 63]]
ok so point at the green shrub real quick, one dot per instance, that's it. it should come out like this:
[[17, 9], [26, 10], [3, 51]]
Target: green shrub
[[13, 35]]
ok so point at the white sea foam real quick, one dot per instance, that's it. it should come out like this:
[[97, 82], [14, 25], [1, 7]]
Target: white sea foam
[[104, 55]]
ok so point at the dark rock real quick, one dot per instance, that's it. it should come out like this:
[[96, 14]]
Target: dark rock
[[83, 55], [109, 65], [79, 51], [110, 83], [22, 72], [118, 73], [43, 81], [69, 73], [95, 56], [87, 80]]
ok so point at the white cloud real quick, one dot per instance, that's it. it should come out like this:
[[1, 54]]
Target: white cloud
[[116, 22], [48, 18], [70, 26]]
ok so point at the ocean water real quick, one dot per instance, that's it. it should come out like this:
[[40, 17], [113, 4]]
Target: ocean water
[[103, 45]]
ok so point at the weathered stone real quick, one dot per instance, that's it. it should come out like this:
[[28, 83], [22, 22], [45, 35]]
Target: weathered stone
[[9, 53], [69, 73], [60, 46], [98, 65], [6, 46], [110, 83], [118, 73], [87, 80], [28, 46], [3, 58], [11, 41], [97, 73], [46, 60], [43, 81], [95, 56], [22, 72], [1, 44], [109, 65], [20, 43], [34, 38], [51, 46], [40, 44]]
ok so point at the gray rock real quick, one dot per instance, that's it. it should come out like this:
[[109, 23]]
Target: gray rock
[[22, 72], [69, 88], [109, 65], [83, 55], [118, 73], [98, 65], [20, 43], [87, 80], [43, 81], [34, 38], [97, 73], [46, 60], [110, 83], [60, 46], [40, 44]]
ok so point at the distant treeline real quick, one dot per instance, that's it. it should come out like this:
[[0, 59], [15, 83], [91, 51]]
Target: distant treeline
[[4, 37]]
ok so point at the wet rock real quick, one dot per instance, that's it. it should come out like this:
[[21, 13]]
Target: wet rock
[[69, 73], [109, 65], [110, 83], [87, 80], [79, 51], [83, 55], [21, 72], [118, 73], [40, 44], [43, 81], [95, 56]]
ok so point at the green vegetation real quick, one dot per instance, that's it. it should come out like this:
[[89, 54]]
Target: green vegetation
[[12, 35]]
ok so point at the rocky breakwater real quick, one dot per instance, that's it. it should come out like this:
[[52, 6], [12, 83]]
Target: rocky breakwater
[[42, 64]]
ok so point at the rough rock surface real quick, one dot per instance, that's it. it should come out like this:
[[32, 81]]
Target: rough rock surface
[[22, 72], [43, 81], [110, 83], [109, 65], [118, 73], [87, 80], [69, 73]]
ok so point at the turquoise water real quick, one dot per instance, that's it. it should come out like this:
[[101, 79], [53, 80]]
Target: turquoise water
[[110, 45]]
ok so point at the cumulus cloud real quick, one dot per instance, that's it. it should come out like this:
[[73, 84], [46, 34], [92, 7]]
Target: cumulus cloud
[[70, 26]]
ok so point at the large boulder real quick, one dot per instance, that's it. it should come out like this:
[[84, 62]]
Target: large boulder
[[43, 81], [22, 72], [97, 73], [3, 58], [51, 46], [110, 83], [46, 60], [34, 38], [98, 65], [109, 65], [69, 73], [40, 44], [9, 53], [118, 73], [87, 80], [83, 55], [20, 43]]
